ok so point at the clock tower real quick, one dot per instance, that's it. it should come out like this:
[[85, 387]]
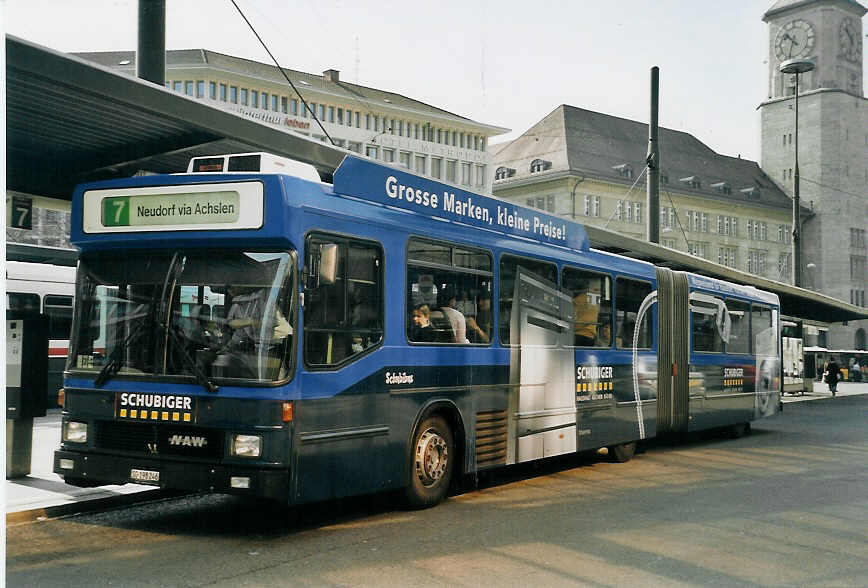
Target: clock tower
[[833, 145]]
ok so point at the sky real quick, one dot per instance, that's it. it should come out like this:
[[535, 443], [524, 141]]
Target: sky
[[507, 63]]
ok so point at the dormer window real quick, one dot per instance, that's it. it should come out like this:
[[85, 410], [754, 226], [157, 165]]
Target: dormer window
[[502, 173], [751, 193], [624, 169], [538, 165], [692, 181], [722, 187]]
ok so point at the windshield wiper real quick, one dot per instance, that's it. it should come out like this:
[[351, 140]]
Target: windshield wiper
[[201, 378], [115, 361]]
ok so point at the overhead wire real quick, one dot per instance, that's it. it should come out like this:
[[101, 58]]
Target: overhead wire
[[264, 46]]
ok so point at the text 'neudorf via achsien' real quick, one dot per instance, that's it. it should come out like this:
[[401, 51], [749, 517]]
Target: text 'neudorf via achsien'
[[464, 207]]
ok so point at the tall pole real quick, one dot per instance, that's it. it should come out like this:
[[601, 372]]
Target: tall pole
[[797, 214], [797, 66], [151, 50], [652, 160]]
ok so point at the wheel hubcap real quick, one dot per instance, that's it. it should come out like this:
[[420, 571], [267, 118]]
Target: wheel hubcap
[[432, 456]]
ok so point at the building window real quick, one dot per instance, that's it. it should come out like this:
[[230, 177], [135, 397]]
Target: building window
[[404, 159], [669, 243], [592, 205], [756, 262], [367, 122], [200, 89], [264, 102], [212, 90], [784, 271], [233, 94], [331, 114], [465, 173], [436, 167], [857, 238], [358, 119], [244, 96], [502, 173], [727, 256], [274, 103], [223, 90], [420, 164], [451, 170], [858, 264], [619, 210], [340, 116], [254, 98], [628, 212], [538, 165], [388, 155], [355, 146], [371, 151], [697, 249]]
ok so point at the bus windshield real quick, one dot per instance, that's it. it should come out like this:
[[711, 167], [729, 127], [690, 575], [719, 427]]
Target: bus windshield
[[207, 314]]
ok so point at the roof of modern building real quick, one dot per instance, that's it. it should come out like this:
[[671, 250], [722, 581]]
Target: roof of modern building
[[372, 99], [600, 145], [784, 5]]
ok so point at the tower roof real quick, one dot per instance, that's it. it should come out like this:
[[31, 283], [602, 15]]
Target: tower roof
[[784, 5]]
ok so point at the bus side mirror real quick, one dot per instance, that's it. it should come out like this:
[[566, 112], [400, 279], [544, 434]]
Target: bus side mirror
[[323, 267]]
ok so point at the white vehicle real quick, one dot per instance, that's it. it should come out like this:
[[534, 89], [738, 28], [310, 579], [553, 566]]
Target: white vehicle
[[49, 290]]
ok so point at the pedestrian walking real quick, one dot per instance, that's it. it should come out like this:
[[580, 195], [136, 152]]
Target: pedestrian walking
[[832, 374]]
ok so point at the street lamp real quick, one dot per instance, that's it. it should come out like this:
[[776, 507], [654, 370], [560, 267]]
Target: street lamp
[[796, 66]]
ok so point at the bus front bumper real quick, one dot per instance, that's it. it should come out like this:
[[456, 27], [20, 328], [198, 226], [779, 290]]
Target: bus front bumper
[[89, 469]]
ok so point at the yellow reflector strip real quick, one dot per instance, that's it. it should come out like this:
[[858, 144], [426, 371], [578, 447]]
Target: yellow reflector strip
[[165, 416], [176, 416], [134, 414], [186, 417], [154, 415], [143, 414], [123, 412]]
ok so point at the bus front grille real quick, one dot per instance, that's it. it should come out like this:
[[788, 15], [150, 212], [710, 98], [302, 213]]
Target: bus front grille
[[155, 439], [491, 433]]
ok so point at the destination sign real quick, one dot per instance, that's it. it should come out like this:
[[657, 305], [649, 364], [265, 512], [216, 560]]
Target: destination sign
[[235, 205], [385, 185], [171, 209]]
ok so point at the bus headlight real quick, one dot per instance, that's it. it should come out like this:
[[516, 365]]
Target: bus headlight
[[246, 445], [75, 432]]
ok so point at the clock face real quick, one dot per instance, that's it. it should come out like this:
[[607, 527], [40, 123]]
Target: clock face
[[851, 41], [794, 40]]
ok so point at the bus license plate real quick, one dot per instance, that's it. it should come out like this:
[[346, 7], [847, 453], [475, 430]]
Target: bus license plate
[[145, 476]]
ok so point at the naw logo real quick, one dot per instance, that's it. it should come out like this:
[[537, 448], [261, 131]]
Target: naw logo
[[188, 441]]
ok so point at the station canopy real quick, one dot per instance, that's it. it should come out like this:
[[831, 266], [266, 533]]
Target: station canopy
[[70, 121]]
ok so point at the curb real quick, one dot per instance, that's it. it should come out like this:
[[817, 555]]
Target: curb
[[86, 506]]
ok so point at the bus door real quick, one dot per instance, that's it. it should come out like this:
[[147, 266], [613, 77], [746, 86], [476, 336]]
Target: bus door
[[542, 383], [673, 373]]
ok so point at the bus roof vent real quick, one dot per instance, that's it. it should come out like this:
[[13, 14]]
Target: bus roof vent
[[264, 163]]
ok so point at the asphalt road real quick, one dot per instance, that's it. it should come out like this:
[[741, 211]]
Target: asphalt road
[[785, 506]]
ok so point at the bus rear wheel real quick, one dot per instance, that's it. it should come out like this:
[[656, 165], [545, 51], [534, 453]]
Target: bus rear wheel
[[432, 461], [623, 452]]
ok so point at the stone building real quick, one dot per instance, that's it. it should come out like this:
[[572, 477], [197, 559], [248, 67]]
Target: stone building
[[380, 124], [591, 167], [833, 144]]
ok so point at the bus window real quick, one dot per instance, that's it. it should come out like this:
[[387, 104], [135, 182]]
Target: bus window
[[21, 301], [629, 295], [763, 331], [59, 312], [592, 306], [508, 269], [345, 318], [705, 335], [739, 333], [448, 293]]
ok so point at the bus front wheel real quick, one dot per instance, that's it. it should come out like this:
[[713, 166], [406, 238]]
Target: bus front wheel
[[432, 461]]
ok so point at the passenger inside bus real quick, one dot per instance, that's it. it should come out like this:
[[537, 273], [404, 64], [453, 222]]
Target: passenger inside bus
[[586, 308]]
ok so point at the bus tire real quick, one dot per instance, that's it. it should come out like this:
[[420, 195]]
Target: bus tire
[[432, 462], [623, 452]]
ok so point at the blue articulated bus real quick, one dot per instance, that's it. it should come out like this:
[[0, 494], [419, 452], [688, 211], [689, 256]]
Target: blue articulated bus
[[245, 328]]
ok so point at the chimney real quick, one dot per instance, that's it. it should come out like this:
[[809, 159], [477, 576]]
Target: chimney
[[331, 75]]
